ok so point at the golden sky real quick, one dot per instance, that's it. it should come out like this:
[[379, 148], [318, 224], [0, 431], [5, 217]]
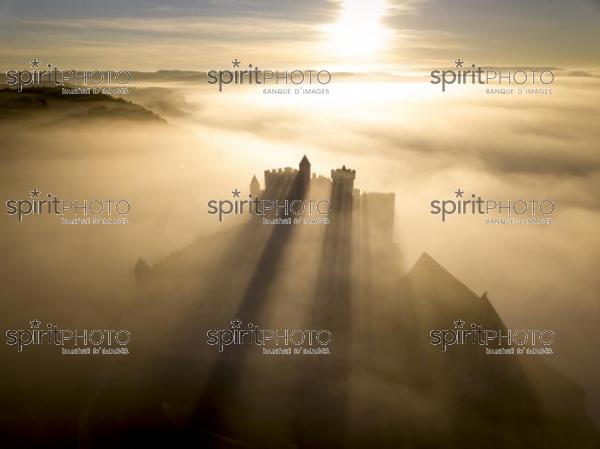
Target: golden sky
[[374, 35]]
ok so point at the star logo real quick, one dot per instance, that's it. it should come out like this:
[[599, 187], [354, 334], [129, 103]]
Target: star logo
[[236, 193], [236, 63], [35, 193], [35, 62], [459, 62], [459, 193], [236, 324], [458, 324], [35, 324]]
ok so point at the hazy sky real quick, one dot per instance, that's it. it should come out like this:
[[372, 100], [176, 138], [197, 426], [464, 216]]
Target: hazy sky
[[354, 34]]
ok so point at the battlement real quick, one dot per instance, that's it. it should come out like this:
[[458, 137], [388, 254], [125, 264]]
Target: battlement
[[276, 175], [380, 197], [279, 175], [282, 170], [343, 173]]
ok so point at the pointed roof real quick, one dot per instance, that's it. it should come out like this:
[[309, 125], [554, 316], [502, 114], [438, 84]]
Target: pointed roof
[[304, 161], [254, 179], [440, 296], [428, 275], [141, 265]]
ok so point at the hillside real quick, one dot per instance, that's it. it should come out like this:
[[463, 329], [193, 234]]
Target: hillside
[[48, 106]]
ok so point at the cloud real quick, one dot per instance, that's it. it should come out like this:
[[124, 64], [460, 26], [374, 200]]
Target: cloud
[[267, 9], [546, 140]]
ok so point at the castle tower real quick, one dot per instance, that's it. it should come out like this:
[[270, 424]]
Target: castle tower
[[254, 186], [378, 252], [343, 187], [342, 191], [305, 171], [377, 218]]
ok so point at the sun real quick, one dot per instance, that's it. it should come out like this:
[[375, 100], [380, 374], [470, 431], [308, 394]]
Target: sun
[[359, 31]]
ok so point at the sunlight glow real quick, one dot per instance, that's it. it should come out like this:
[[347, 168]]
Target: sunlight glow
[[359, 31]]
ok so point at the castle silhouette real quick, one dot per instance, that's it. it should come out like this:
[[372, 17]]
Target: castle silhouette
[[371, 214], [383, 385], [362, 223]]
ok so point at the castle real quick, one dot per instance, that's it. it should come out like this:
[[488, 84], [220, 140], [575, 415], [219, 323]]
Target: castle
[[369, 213], [361, 226]]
